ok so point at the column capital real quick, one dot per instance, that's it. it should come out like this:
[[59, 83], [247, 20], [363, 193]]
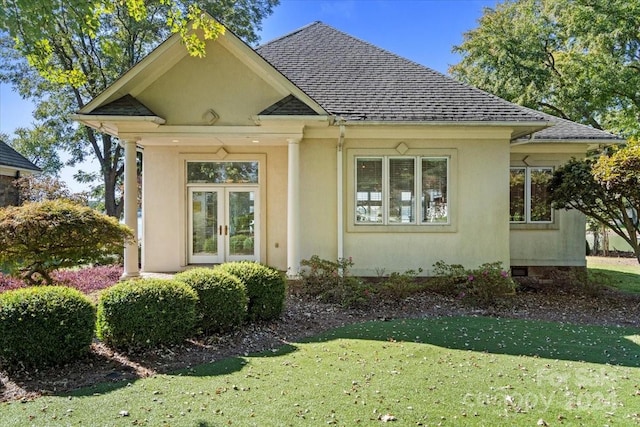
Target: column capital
[[295, 140]]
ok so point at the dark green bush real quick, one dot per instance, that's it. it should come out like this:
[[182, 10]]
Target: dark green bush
[[222, 298], [45, 325], [145, 313], [265, 288]]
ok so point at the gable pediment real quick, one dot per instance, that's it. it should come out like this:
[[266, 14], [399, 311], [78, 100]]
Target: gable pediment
[[230, 86]]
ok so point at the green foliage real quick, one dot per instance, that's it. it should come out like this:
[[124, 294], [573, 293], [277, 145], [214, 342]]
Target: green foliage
[[45, 325], [40, 237], [138, 314], [573, 59], [399, 286], [330, 281], [606, 190], [222, 298], [265, 288], [485, 285]]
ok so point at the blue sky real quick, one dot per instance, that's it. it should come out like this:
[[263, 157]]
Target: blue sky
[[421, 30]]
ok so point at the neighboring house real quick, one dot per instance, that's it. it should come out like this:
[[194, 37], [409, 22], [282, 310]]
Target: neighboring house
[[318, 143], [13, 165]]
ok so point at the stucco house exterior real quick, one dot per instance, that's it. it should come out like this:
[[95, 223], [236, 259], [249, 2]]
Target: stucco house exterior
[[13, 165], [318, 143]]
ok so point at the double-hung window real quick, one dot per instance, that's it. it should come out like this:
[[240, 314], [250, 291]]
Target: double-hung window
[[529, 201], [402, 190]]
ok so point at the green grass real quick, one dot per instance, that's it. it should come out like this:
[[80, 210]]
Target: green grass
[[622, 277], [471, 371]]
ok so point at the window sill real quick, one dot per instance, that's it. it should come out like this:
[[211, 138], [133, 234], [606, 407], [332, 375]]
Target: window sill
[[399, 228], [534, 226]]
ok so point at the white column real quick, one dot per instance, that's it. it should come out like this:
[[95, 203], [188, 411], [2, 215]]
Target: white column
[[131, 209], [293, 209]]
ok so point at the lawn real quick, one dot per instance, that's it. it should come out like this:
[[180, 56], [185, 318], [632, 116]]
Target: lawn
[[622, 274], [438, 371]]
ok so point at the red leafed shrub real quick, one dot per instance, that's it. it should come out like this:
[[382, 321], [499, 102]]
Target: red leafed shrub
[[85, 280]]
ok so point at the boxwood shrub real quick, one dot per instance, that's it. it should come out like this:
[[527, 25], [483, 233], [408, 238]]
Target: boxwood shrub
[[138, 314], [222, 298], [42, 326], [265, 288]]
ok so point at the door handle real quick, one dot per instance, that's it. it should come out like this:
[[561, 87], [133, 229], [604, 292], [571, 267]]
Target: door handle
[[226, 230], [220, 230]]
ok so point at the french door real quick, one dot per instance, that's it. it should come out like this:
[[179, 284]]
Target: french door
[[224, 224]]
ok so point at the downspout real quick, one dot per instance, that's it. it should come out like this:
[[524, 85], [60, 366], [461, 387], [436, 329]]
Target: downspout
[[340, 191]]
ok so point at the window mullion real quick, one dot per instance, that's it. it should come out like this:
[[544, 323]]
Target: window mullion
[[385, 190], [527, 195]]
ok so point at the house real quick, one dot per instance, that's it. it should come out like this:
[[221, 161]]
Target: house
[[13, 165], [319, 143]]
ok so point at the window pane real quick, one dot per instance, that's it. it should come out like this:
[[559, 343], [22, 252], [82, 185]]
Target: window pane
[[222, 172], [540, 204], [434, 190], [401, 190], [368, 191], [517, 202]]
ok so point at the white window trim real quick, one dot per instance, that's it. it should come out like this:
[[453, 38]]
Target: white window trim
[[527, 196], [417, 226]]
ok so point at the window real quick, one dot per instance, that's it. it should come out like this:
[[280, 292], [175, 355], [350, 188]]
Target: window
[[401, 190], [529, 198], [222, 172]]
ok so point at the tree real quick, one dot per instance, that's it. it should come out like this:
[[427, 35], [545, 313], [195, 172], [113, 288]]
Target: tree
[[606, 189], [576, 59], [38, 188], [62, 54], [38, 238]]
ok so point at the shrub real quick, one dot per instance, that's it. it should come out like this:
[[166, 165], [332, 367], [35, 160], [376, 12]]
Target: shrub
[[38, 238], [484, 285], [144, 313], [399, 286], [330, 281], [222, 298], [265, 288], [45, 325]]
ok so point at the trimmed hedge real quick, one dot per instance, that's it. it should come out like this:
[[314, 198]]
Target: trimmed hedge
[[265, 288], [222, 298], [42, 326], [138, 314]]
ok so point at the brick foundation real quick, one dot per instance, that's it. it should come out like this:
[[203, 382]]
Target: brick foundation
[[8, 191], [539, 277]]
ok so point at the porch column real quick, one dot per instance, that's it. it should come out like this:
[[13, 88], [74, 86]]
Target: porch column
[[293, 209], [131, 209]]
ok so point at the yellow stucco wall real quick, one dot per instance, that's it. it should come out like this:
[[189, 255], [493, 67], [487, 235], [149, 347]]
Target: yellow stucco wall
[[478, 197], [561, 243], [224, 84], [165, 202]]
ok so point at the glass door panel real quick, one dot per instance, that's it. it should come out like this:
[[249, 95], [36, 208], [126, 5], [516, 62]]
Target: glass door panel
[[241, 208], [204, 226]]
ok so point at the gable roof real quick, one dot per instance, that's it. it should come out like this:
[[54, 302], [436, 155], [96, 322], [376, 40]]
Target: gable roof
[[11, 158], [356, 80], [125, 106]]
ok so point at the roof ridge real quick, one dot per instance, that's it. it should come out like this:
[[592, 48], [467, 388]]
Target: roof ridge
[[292, 33]]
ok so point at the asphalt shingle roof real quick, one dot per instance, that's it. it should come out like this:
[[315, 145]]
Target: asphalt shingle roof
[[289, 106], [10, 157], [359, 81], [567, 130], [125, 106]]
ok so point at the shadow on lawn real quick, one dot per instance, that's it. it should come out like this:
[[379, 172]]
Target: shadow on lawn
[[551, 340], [595, 344]]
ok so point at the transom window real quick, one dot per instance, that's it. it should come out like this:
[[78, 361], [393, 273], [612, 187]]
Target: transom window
[[237, 172], [529, 202], [402, 190]]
